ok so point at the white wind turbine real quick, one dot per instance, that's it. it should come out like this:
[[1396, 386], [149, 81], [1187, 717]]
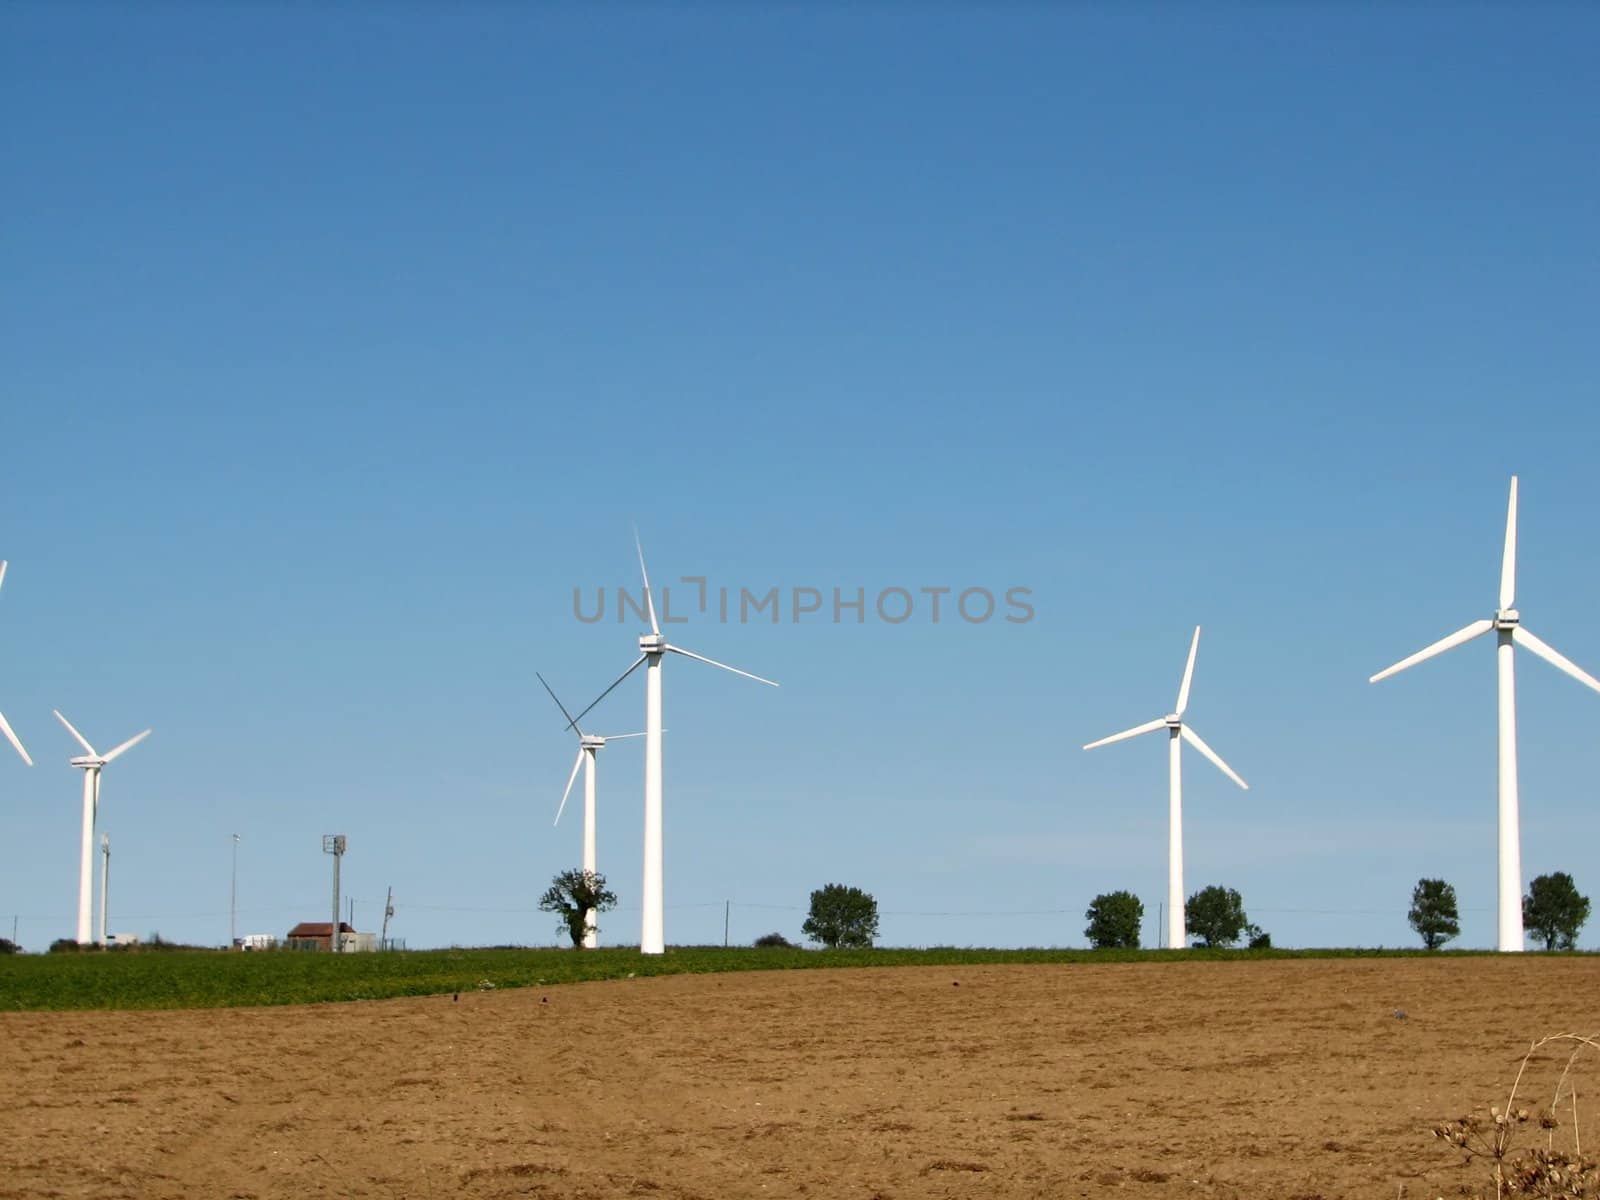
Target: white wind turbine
[[589, 746], [1509, 631], [1177, 734], [90, 764], [5, 726], [652, 649]]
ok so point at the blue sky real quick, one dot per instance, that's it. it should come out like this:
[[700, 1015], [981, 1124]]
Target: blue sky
[[341, 344]]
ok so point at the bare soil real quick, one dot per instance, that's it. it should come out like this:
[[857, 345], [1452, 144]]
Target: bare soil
[[1284, 1079]]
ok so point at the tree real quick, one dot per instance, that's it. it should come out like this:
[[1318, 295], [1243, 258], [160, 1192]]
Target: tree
[[1259, 938], [1114, 920], [7, 946], [572, 895], [1433, 912], [1215, 915], [774, 941], [842, 917], [1554, 911]]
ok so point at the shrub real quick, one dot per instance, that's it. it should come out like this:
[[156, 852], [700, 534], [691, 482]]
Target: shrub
[[775, 939]]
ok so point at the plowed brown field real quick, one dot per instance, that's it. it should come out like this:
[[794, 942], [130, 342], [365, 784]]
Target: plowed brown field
[[1307, 1078]]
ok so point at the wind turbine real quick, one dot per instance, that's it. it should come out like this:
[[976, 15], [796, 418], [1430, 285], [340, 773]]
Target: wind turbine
[[5, 726], [589, 746], [653, 648], [1507, 623], [90, 764], [1177, 734]]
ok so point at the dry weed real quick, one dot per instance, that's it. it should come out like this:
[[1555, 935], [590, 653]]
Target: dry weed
[[1557, 1170]]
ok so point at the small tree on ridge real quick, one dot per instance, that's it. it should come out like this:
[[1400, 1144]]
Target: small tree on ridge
[[842, 917], [1553, 910], [1114, 920], [1215, 915], [571, 895], [1433, 912]]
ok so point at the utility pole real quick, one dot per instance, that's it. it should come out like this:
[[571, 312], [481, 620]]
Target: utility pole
[[388, 911], [333, 843], [352, 912], [727, 907], [233, 900]]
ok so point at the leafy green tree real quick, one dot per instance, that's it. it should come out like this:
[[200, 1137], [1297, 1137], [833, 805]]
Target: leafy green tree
[[1433, 912], [1114, 920], [7, 946], [774, 941], [1259, 938], [1554, 911], [1215, 915], [842, 917], [571, 895]]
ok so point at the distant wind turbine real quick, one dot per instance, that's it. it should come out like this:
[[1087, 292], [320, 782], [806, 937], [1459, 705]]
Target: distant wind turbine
[[90, 764], [652, 649], [1507, 623], [589, 747], [1177, 734], [5, 726]]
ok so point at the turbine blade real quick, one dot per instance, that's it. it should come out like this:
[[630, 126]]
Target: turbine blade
[[571, 724], [95, 808], [1147, 727], [2, 572], [649, 603], [82, 741], [1188, 674], [571, 779], [609, 690], [5, 728], [127, 745], [1476, 629], [1508, 561], [713, 662], [1195, 740], [617, 737], [1553, 656]]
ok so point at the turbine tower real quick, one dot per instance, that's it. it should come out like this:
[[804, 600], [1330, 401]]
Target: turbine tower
[[90, 764], [653, 648], [1177, 734], [5, 726], [589, 746], [1510, 632]]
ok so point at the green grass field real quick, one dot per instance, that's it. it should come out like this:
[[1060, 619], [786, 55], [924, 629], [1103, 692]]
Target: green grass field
[[216, 979]]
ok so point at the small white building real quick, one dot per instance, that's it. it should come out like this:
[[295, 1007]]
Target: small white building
[[256, 941]]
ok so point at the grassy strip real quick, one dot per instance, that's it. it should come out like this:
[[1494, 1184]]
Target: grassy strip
[[216, 979]]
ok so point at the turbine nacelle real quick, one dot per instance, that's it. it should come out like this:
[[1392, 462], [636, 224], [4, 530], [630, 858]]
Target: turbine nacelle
[[87, 763], [1507, 618], [591, 741], [1173, 721], [652, 643]]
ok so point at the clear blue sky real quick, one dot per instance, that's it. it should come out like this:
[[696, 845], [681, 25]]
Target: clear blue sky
[[341, 343]]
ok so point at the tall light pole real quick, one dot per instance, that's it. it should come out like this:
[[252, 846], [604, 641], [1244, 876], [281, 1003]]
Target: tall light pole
[[233, 899], [105, 883], [333, 843]]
